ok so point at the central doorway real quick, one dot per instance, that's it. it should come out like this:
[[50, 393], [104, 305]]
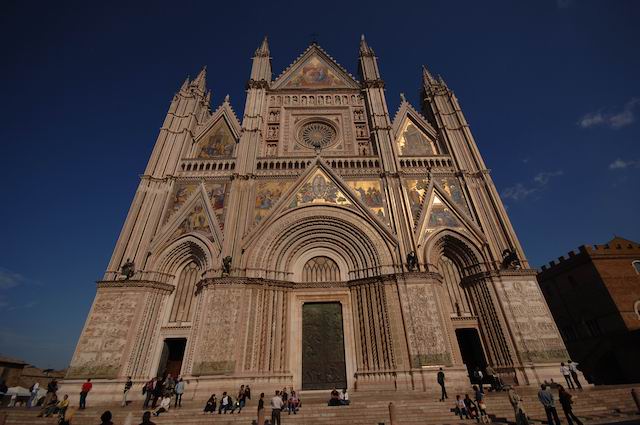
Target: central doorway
[[471, 349], [323, 359], [172, 355]]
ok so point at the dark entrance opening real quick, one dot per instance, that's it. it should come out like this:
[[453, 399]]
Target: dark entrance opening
[[323, 363], [471, 349], [172, 355]]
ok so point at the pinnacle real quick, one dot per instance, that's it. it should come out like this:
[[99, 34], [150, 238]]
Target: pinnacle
[[365, 50], [427, 78], [263, 50]]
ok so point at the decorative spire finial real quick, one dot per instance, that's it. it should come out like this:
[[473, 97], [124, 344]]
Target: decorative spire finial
[[427, 78], [226, 99], [402, 98], [263, 50], [201, 80], [365, 50]]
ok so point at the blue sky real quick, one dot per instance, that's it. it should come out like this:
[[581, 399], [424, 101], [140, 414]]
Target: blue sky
[[551, 90]]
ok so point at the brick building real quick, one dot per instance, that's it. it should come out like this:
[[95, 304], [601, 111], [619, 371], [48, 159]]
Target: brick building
[[594, 296]]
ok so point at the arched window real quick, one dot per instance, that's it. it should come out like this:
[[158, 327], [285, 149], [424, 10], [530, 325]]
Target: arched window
[[636, 265], [182, 308], [320, 269]]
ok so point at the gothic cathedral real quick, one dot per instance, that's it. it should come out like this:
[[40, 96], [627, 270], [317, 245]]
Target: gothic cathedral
[[317, 242]]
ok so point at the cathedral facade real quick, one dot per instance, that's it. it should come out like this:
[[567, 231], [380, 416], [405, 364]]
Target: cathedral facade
[[319, 241]]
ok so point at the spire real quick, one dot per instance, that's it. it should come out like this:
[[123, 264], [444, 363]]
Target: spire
[[365, 50], [207, 98], [427, 78], [402, 98], [201, 80], [261, 67], [185, 84], [263, 50]]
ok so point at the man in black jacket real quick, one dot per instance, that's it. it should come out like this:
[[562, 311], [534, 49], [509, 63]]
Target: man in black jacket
[[441, 382]]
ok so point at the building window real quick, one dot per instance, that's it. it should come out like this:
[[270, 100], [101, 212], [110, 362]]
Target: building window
[[636, 265]]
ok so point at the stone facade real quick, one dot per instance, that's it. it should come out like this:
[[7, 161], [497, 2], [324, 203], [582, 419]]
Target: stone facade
[[594, 295], [317, 195]]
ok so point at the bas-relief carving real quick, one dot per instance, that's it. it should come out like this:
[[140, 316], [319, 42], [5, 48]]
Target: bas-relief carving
[[216, 353], [536, 336], [105, 336], [427, 339]]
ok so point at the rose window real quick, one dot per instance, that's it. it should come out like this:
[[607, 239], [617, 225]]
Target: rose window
[[317, 135]]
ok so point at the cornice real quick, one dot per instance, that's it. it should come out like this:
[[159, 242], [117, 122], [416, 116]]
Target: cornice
[[134, 284]]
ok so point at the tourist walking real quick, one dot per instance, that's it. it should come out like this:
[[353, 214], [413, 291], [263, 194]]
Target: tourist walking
[[179, 390], [148, 390], [440, 379], [127, 388], [33, 399], [566, 372], [86, 387], [566, 400], [276, 408], [573, 368], [548, 402], [478, 377], [482, 407]]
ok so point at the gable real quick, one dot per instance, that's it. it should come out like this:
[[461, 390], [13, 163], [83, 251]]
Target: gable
[[318, 188], [440, 215], [413, 141], [416, 190], [314, 69], [218, 142]]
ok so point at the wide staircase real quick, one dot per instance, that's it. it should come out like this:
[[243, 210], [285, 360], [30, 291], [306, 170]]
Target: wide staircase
[[601, 405]]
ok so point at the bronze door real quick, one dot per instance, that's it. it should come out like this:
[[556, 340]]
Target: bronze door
[[323, 363]]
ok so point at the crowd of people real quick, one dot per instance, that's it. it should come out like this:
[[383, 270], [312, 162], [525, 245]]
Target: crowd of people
[[475, 408]]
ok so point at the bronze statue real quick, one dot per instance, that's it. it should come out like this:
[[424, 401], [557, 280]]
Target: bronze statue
[[226, 265], [128, 269], [412, 261], [510, 259]]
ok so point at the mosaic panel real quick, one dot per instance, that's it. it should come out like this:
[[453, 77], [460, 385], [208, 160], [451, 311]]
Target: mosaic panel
[[196, 221], [451, 186], [319, 189], [314, 73], [217, 193], [371, 195], [219, 142], [416, 188], [441, 215], [267, 195], [182, 193], [413, 142]]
